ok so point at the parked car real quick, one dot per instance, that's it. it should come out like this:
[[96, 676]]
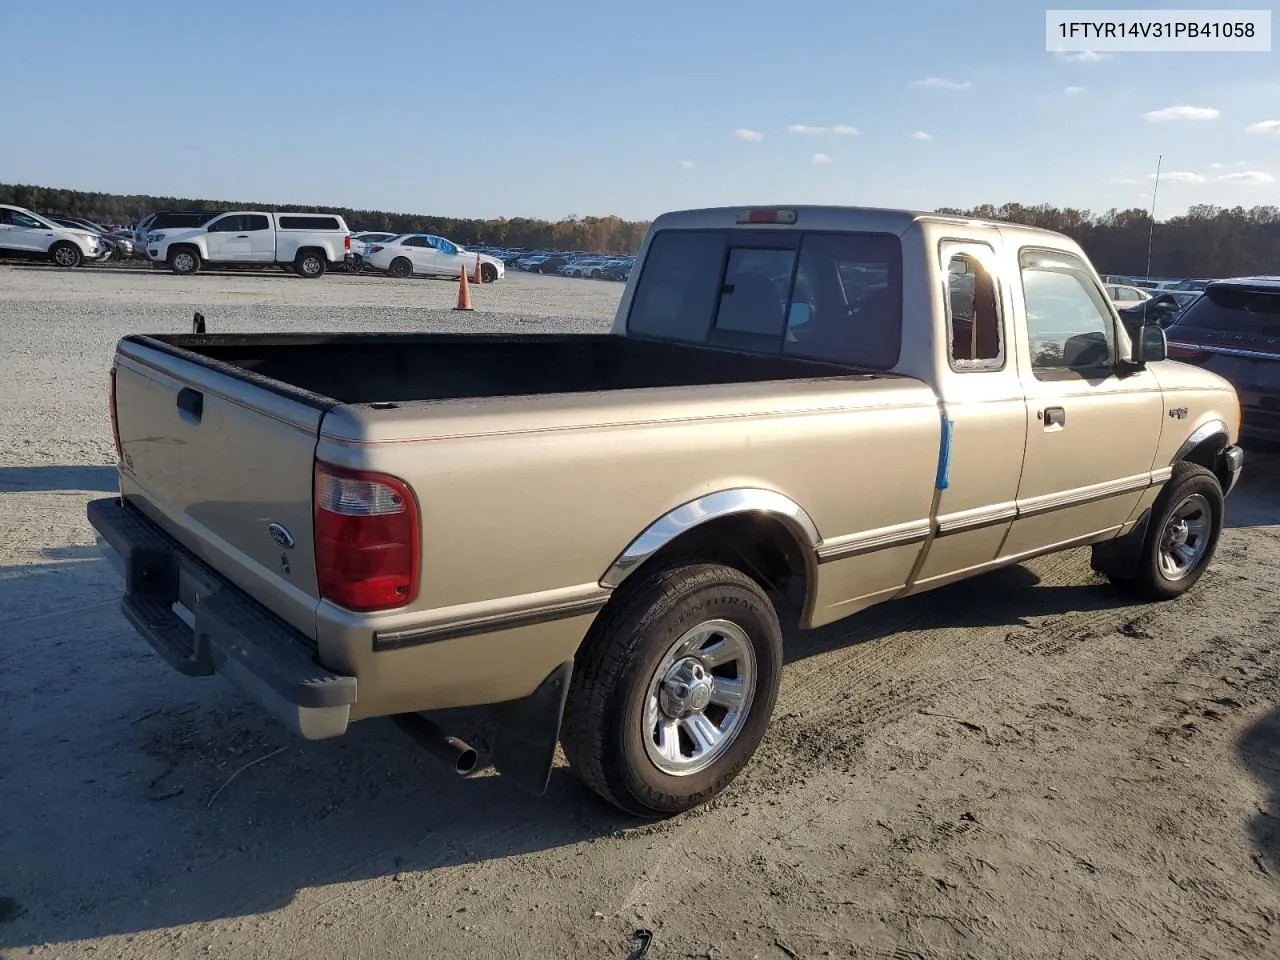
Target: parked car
[[1194, 286], [1124, 295], [114, 247], [309, 243], [589, 533], [167, 220], [426, 255], [1233, 330], [24, 233]]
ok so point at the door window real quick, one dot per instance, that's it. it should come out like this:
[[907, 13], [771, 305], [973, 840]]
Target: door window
[[1070, 330], [973, 316], [14, 218], [231, 224]]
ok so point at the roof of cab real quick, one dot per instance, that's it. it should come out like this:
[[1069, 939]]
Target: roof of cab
[[876, 219]]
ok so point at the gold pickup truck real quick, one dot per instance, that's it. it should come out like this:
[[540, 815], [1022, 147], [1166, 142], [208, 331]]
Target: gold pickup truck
[[594, 536]]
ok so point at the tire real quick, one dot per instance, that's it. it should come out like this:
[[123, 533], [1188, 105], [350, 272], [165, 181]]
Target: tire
[[618, 698], [400, 268], [64, 254], [1182, 535], [184, 261], [310, 264], [488, 273]]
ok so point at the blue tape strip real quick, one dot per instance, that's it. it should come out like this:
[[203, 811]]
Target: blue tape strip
[[944, 455]]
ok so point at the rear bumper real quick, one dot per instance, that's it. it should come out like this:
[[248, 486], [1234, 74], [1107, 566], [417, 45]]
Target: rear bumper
[[202, 624]]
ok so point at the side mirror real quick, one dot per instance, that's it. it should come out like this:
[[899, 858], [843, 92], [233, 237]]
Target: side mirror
[[1151, 345]]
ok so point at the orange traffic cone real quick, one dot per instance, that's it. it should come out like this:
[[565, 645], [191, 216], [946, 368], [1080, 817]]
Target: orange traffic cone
[[464, 290], [476, 278]]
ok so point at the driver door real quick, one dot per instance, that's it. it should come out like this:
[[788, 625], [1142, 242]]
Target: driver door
[[20, 232], [448, 258], [1092, 425], [227, 239]]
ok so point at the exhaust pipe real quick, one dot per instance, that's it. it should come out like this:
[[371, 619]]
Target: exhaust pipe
[[452, 752]]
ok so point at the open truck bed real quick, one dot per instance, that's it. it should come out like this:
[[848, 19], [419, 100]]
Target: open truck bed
[[362, 368]]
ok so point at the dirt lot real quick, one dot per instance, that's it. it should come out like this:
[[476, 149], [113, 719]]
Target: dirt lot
[[1025, 765]]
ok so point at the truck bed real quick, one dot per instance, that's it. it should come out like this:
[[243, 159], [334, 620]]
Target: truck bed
[[361, 368]]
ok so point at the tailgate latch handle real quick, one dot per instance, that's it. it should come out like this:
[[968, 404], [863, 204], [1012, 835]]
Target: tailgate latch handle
[[191, 403]]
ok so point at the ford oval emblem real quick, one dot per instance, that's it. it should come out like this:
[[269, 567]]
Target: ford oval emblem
[[281, 535]]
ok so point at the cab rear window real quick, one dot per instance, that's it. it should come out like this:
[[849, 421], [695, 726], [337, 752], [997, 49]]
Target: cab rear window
[[826, 296]]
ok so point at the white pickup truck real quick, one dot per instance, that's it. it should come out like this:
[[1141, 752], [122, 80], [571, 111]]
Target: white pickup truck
[[309, 243]]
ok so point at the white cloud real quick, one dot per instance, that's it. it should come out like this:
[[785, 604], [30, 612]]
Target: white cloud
[[1217, 166], [686, 164], [1249, 177], [1181, 113], [821, 158], [802, 128], [1082, 56], [1071, 91], [751, 136], [1180, 176], [921, 135], [1264, 126], [1126, 180], [846, 130], [942, 83]]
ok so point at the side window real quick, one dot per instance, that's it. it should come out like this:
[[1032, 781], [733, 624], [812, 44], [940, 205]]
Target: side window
[[226, 224], [973, 315], [22, 220], [1070, 331], [255, 221], [753, 297], [414, 242]]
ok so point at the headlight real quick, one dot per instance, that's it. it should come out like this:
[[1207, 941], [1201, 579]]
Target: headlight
[[154, 237]]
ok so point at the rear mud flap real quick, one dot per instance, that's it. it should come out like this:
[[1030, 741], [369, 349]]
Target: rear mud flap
[[528, 730]]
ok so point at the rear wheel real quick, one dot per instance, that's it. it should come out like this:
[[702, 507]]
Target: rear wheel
[[184, 261], [400, 268], [488, 273], [309, 264], [66, 254], [673, 689]]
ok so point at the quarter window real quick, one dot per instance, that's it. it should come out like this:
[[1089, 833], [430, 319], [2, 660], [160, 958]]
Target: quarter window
[[1069, 325]]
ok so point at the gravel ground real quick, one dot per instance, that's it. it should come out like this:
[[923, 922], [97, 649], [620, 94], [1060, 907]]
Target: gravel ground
[[1024, 765]]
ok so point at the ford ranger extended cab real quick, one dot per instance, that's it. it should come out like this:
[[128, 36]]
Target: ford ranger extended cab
[[595, 535], [307, 243]]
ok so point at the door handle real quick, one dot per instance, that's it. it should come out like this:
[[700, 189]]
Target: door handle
[[191, 403], [1054, 417], [242, 236]]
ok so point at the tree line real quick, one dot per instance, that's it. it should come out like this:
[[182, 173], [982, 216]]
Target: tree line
[[1206, 241]]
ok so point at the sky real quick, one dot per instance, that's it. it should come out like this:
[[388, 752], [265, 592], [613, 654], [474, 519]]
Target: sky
[[517, 108]]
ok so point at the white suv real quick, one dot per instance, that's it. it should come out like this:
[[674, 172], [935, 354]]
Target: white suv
[[27, 234]]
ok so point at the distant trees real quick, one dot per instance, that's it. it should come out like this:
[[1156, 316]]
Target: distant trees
[[1206, 241]]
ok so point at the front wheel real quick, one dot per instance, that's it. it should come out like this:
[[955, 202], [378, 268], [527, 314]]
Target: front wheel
[[673, 689], [66, 255], [1182, 534], [184, 261], [488, 273]]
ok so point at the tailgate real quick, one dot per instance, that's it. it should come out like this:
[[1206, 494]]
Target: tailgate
[[224, 465]]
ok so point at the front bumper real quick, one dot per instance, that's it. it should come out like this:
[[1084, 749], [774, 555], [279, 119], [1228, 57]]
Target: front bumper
[[202, 624], [1233, 460]]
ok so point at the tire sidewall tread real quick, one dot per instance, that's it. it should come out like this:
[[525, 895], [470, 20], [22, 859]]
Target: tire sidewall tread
[[600, 736], [1187, 479]]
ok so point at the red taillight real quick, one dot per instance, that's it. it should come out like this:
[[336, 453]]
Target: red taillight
[[115, 421], [367, 538], [375, 248], [346, 243], [1187, 352]]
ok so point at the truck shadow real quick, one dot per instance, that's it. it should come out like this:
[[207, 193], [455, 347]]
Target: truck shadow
[[45, 479], [1260, 751], [135, 799]]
